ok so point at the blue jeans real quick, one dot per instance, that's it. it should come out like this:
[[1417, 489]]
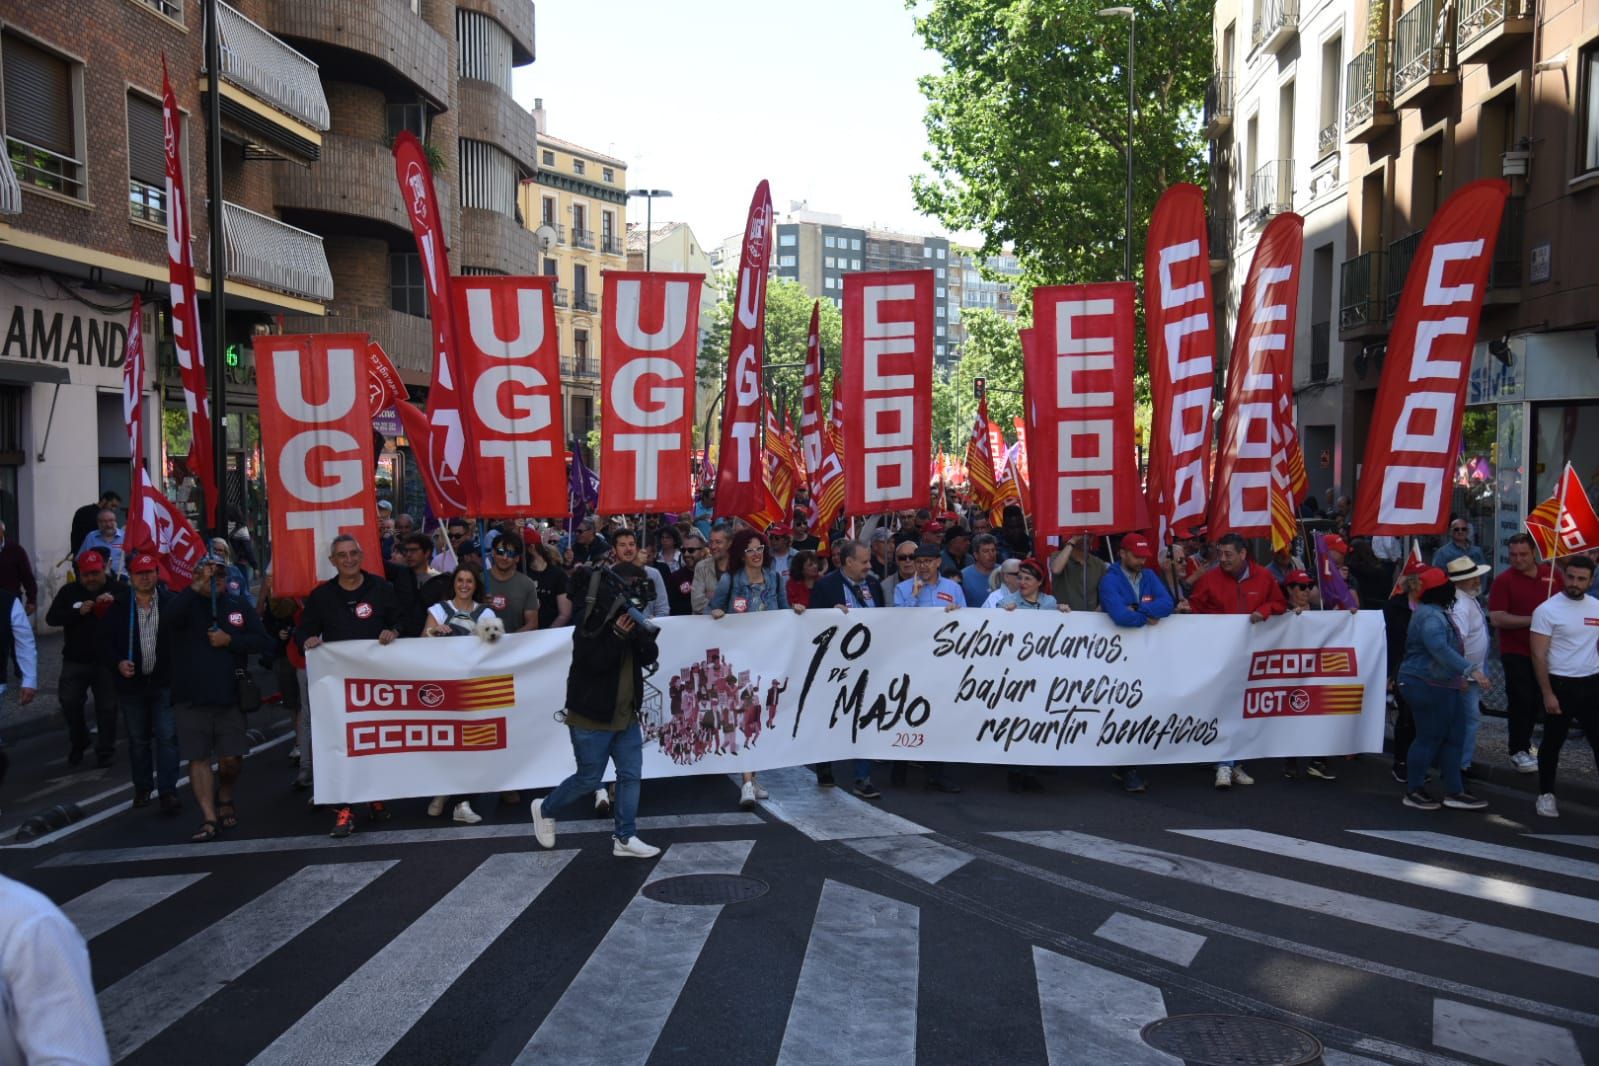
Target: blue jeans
[[591, 748], [1440, 715], [1468, 745], [148, 715]]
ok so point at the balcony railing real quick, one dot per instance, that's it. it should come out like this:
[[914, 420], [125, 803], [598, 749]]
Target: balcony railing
[[562, 297], [275, 254], [1401, 254], [1221, 238], [1506, 271], [40, 168], [258, 61], [1368, 88], [585, 301], [1360, 286], [1327, 141], [1271, 189], [1320, 350], [1423, 44], [580, 368], [1480, 18], [1218, 102], [612, 244], [1277, 21], [583, 238]]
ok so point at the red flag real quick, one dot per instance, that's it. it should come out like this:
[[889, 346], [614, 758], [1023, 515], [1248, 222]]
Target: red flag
[[1181, 330], [186, 307], [1248, 491], [439, 443], [821, 462], [1415, 429], [383, 381], [887, 379], [136, 535], [316, 424], [1413, 558], [1565, 523], [835, 425], [1024, 477], [980, 460], [509, 353], [650, 335], [739, 475], [1081, 378]]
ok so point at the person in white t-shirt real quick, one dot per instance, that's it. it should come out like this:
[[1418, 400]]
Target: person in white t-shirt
[[47, 1007], [1565, 659]]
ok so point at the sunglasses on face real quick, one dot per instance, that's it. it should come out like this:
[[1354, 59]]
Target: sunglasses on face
[[905, 558], [1305, 588], [754, 549], [457, 536], [506, 551]]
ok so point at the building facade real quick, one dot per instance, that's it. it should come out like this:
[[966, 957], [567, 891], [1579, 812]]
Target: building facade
[[978, 283], [576, 205]]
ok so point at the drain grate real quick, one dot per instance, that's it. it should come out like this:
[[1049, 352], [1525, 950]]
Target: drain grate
[[705, 890], [1232, 1040]]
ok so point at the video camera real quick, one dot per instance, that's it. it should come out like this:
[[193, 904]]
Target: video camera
[[627, 596]]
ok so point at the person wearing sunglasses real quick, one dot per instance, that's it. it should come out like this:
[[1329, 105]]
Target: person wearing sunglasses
[[512, 594], [1459, 546], [904, 567]]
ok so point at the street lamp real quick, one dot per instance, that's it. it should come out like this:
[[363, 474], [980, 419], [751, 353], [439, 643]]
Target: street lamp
[[650, 196], [1132, 34]]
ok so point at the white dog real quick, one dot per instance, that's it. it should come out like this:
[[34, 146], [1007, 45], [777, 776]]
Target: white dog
[[490, 630]]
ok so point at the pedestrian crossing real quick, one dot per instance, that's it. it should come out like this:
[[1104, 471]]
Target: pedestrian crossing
[[856, 984]]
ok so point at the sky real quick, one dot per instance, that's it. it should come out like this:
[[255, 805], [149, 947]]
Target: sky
[[707, 97]]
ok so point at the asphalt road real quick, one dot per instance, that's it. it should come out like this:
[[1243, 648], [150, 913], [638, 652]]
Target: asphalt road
[[985, 927]]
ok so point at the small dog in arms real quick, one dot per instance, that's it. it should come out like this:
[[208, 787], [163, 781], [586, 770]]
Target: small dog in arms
[[490, 630]]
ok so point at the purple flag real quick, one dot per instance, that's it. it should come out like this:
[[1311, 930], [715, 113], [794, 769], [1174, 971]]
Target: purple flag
[[1335, 591], [583, 485]]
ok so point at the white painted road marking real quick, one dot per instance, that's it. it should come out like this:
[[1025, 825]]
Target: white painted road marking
[[1094, 1015], [1453, 845], [828, 813], [1502, 1038], [1591, 841], [108, 905], [361, 1020], [1152, 938], [913, 854]]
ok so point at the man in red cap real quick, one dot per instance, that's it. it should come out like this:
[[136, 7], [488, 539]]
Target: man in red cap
[[1396, 621], [141, 662], [76, 610], [780, 547]]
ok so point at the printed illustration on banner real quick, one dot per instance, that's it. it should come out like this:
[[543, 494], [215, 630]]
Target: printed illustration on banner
[[711, 705]]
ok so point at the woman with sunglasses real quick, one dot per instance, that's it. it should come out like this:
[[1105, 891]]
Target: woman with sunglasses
[[1004, 582]]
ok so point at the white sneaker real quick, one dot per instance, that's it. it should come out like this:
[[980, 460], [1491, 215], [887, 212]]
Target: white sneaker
[[760, 793], [1546, 806], [602, 802], [1224, 777], [1241, 778], [633, 848], [436, 807], [543, 828], [1524, 762], [466, 815], [746, 796]]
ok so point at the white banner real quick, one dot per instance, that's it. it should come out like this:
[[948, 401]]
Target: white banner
[[430, 717]]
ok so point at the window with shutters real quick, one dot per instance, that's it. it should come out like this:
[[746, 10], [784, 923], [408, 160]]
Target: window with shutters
[[147, 161], [41, 117]]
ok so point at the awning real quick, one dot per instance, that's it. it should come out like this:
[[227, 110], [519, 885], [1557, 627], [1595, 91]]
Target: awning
[[20, 372]]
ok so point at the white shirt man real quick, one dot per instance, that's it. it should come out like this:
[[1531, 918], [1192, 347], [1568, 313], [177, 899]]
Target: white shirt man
[[1565, 659], [47, 1006]]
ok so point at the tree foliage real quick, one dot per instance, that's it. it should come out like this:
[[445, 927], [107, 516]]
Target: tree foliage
[[788, 322], [992, 351], [1027, 124]]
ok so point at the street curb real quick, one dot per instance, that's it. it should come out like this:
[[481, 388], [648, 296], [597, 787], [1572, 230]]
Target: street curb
[[1578, 791]]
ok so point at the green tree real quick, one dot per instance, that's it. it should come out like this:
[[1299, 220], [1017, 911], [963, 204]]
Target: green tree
[[992, 351], [1027, 124], [788, 323]]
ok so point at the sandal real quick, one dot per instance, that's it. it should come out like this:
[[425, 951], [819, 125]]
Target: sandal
[[207, 833], [227, 816]]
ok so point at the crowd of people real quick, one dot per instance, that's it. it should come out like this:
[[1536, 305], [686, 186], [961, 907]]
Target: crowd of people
[[123, 631]]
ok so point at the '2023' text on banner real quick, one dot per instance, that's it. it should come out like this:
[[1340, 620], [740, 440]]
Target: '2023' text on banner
[[429, 717]]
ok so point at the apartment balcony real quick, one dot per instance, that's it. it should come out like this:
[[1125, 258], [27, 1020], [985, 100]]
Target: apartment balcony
[[1401, 254], [563, 298], [1271, 190], [1485, 27], [275, 255], [1505, 277], [269, 90], [406, 339], [1424, 52], [1320, 350], [580, 368], [1218, 104], [516, 17], [390, 42], [1276, 25], [488, 114], [496, 242], [1368, 93], [1221, 239], [613, 244], [1360, 308], [585, 301], [355, 179], [583, 238]]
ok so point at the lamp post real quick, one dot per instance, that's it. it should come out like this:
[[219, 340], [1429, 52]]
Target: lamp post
[[650, 196], [1132, 35]]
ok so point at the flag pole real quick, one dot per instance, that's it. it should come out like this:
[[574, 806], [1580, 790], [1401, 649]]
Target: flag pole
[[1560, 510]]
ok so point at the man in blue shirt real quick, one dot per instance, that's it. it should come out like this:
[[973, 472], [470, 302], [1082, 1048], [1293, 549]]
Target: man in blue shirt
[[107, 539], [975, 577], [1133, 596], [1459, 545], [928, 589]]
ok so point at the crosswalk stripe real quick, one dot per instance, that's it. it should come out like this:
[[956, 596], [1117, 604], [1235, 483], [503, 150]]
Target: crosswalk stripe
[[828, 813], [615, 1008], [858, 985], [386, 837], [1492, 889], [916, 855], [163, 990], [1334, 1057], [1477, 849], [362, 1019], [1394, 917], [1095, 1015], [1503, 1038], [108, 905], [1152, 938], [1578, 841]]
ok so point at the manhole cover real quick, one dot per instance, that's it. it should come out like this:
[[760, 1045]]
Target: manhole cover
[[1232, 1040], [705, 890]]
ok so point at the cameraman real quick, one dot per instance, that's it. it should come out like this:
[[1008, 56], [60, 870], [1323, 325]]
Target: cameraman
[[604, 693]]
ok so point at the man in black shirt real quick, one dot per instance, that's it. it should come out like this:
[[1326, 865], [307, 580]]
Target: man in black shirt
[[353, 605], [86, 518], [77, 609], [417, 586]]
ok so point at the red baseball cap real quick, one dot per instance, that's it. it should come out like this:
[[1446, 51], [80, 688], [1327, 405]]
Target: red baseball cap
[[532, 537], [143, 563], [1335, 543], [1136, 543], [1033, 567], [933, 527], [1298, 577], [779, 529], [90, 562], [1432, 577], [1414, 567]]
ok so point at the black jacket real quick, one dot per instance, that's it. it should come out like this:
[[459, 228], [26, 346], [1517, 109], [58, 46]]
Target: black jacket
[[335, 614], [114, 643], [414, 600], [206, 673], [600, 661], [82, 631], [829, 590], [1396, 621]]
